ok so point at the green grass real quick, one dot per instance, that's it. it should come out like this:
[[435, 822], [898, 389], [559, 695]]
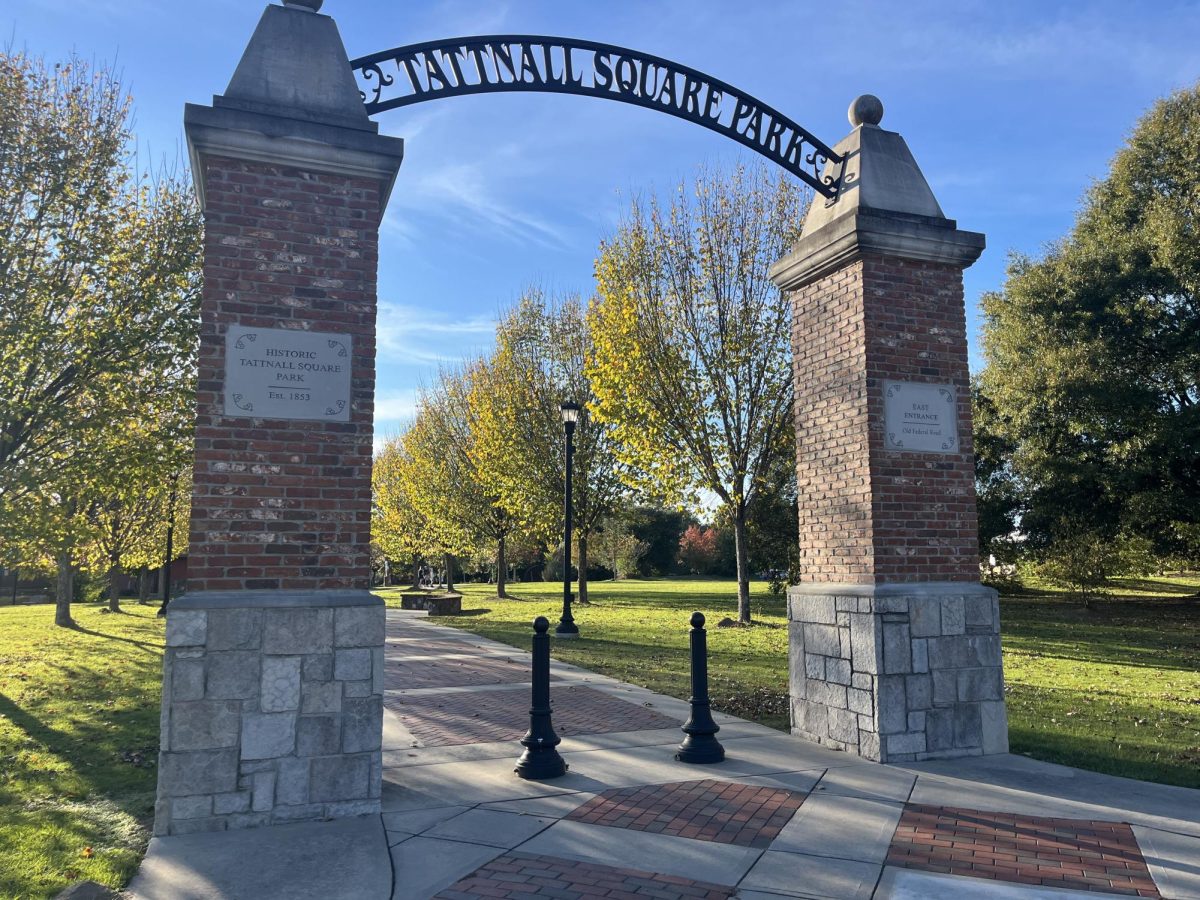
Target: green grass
[[78, 744], [1114, 687]]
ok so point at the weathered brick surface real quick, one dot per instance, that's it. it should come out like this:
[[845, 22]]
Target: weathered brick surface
[[1074, 854], [724, 812], [407, 673], [470, 717], [523, 875], [284, 504], [868, 514]]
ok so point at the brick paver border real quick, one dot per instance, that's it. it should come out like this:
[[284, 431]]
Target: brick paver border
[[473, 717], [725, 812], [1076, 854], [517, 876]]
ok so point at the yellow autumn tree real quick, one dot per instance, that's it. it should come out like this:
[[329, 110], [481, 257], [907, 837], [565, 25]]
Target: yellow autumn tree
[[691, 363], [542, 345]]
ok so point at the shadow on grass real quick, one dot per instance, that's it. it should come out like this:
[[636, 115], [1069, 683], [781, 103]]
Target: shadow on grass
[[143, 645], [465, 614], [1150, 633], [1153, 586]]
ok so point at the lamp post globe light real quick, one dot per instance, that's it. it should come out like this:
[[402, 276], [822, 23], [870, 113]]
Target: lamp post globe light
[[566, 625]]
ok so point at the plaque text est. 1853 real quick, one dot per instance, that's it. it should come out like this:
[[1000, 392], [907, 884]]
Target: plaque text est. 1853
[[920, 416], [273, 373]]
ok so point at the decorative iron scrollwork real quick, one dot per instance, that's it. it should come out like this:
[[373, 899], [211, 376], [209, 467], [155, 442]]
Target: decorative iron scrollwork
[[522, 62]]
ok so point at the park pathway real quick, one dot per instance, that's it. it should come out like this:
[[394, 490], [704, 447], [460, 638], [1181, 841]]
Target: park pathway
[[781, 817]]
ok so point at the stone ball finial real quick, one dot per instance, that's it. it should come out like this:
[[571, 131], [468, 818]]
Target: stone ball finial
[[310, 5], [866, 110]]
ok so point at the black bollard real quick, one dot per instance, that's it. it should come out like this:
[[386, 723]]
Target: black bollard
[[541, 760], [700, 745]]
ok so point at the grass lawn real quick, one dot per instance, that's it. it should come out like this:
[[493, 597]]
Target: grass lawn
[[1114, 688], [78, 746]]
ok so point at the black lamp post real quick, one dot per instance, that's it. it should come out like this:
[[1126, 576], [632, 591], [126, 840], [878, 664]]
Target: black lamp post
[[566, 625], [166, 588]]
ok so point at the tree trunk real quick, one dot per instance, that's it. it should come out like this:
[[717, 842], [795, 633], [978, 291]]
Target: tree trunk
[[65, 590], [416, 573], [583, 567], [144, 585], [449, 572], [501, 568], [743, 562], [114, 585]]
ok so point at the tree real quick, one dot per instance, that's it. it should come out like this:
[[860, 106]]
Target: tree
[[660, 530], [542, 346], [99, 272], [99, 297], [397, 528], [996, 488], [692, 360], [456, 507], [618, 547], [698, 550], [1093, 350]]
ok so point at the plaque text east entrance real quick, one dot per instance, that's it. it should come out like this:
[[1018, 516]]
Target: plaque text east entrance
[[274, 373], [920, 416]]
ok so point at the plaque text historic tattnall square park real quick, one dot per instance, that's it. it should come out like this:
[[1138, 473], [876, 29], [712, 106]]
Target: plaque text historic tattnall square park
[[274, 373]]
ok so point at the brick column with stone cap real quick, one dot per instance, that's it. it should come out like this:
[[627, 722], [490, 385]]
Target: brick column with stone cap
[[894, 643], [273, 673]]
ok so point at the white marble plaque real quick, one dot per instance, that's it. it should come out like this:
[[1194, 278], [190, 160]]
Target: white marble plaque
[[920, 416], [274, 373]]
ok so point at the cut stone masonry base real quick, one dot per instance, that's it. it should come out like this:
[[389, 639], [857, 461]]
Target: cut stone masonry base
[[898, 672], [272, 709]]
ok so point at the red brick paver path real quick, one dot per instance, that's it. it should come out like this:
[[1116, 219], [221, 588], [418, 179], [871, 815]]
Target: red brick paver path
[[407, 673], [473, 717], [722, 811], [1074, 854], [522, 875]]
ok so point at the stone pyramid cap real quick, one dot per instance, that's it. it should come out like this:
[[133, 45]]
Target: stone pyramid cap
[[296, 67], [880, 172], [885, 207]]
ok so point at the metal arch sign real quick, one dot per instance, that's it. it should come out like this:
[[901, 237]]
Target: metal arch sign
[[522, 62]]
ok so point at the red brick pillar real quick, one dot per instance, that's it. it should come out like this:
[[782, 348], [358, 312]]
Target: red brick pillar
[[273, 674], [895, 649]]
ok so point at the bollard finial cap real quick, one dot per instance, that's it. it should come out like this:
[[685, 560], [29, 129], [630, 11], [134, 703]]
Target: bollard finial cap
[[541, 624], [697, 620]]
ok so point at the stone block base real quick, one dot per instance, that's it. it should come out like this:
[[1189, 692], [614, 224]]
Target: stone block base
[[434, 604], [897, 672], [272, 709]]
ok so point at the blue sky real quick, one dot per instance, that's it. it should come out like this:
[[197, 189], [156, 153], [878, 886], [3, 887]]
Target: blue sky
[[1011, 108]]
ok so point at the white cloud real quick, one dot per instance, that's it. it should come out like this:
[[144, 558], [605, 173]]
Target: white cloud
[[395, 409], [422, 335]]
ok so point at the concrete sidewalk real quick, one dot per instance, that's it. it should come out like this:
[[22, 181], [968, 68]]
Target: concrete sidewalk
[[779, 818]]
